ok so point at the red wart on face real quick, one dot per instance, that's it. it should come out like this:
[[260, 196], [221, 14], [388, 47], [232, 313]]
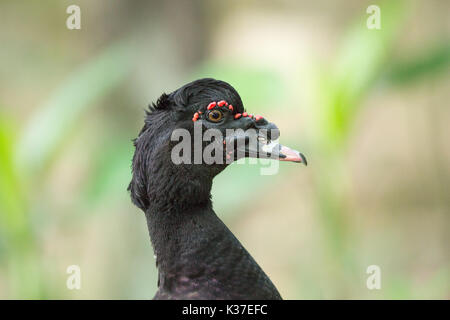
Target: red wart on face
[[223, 103], [211, 105]]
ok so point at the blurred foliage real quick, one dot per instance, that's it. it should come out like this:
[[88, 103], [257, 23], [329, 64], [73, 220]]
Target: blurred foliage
[[433, 62], [47, 133], [338, 95], [57, 117], [349, 78]]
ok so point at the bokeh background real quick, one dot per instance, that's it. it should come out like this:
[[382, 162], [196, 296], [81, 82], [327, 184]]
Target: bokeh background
[[369, 109]]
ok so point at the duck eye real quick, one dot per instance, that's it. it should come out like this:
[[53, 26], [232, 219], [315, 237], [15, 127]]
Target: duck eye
[[215, 115]]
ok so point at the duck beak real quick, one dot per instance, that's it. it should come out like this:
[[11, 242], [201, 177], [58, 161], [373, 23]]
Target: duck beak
[[259, 141], [260, 148], [280, 152]]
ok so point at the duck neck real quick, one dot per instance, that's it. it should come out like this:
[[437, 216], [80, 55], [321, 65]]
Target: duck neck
[[181, 222], [186, 241]]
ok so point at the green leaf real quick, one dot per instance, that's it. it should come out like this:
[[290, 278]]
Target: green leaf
[[341, 86], [433, 62], [13, 220]]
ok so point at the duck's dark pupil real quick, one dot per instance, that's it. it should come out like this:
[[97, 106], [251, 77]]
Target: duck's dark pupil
[[215, 116]]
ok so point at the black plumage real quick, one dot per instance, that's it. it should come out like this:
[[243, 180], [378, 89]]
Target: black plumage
[[198, 257]]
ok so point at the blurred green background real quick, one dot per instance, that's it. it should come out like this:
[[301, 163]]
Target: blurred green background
[[369, 109]]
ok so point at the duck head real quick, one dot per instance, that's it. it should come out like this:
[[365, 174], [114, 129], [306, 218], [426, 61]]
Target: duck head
[[192, 134]]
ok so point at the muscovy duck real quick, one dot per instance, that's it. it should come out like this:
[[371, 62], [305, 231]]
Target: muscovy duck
[[197, 256]]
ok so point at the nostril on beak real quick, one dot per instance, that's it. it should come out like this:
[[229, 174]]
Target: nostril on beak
[[274, 133]]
